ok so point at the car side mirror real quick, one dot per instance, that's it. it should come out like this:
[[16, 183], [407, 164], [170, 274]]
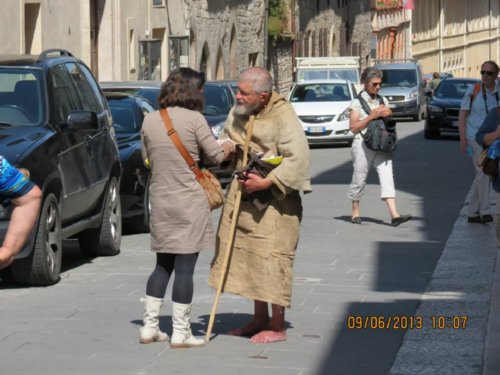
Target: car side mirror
[[82, 120]]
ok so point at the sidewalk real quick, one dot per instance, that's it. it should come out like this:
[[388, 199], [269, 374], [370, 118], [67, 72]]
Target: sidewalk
[[464, 290]]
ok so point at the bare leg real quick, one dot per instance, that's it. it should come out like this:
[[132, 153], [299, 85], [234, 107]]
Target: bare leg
[[260, 321], [275, 331], [355, 209], [391, 205]]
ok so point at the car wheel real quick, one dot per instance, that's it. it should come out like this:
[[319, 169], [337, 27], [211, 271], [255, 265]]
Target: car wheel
[[43, 265], [105, 240]]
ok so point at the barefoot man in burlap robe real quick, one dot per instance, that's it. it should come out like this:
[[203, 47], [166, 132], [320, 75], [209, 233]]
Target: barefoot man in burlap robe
[[261, 263]]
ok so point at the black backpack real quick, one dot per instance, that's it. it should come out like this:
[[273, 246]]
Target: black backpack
[[380, 134]]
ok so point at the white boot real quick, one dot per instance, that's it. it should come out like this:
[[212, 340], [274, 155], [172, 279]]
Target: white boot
[[181, 333], [150, 331]]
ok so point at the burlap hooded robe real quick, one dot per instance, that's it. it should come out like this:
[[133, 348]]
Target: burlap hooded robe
[[265, 242]]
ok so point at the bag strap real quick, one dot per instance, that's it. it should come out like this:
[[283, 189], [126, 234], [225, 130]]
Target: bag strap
[[365, 105], [179, 145]]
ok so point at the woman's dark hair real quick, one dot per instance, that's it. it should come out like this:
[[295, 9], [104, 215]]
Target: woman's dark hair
[[370, 73], [183, 89]]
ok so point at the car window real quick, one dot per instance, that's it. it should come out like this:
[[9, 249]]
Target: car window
[[21, 98], [150, 94], [100, 100], [399, 77], [452, 89], [126, 118], [321, 93], [218, 100], [64, 100], [83, 89]]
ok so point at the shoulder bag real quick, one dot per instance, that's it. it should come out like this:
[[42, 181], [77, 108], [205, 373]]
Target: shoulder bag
[[380, 134], [205, 178]]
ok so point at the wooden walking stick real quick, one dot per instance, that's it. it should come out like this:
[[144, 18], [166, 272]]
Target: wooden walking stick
[[232, 231]]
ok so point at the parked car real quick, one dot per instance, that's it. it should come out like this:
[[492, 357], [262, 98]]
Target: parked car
[[128, 112], [444, 107], [321, 106], [55, 122], [219, 99], [404, 86]]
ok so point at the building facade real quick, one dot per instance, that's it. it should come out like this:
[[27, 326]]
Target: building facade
[[141, 39], [456, 35], [391, 27], [318, 29]]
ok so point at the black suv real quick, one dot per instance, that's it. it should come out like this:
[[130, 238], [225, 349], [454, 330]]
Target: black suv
[[55, 122]]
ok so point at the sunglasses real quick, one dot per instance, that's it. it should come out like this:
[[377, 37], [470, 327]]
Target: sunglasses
[[488, 73], [375, 84]]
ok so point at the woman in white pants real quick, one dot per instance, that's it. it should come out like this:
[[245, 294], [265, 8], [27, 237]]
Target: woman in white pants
[[363, 158]]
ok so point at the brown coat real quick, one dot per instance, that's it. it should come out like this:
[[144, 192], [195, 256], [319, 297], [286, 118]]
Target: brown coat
[[266, 241], [180, 217]]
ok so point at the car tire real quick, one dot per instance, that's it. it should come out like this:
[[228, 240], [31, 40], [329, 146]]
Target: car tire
[[106, 240], [43, 266]]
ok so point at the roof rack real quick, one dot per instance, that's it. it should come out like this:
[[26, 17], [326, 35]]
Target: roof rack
[[45, 54]]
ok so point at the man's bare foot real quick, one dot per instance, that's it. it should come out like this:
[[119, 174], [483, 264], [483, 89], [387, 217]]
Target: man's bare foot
[[249, 329], [268, 337]]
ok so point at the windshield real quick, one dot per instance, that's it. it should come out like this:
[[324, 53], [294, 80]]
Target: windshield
[[21, 97], [126, 118], [399, 77], [346, 74], [218, 100], [321, 92], [452, 89]]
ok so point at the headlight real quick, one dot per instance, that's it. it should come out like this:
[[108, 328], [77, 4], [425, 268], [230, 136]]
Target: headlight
[[216, 129], [344, 116], [433, 108], [413, 94]]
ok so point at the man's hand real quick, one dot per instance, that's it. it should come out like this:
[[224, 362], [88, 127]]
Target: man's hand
[[253, 182]]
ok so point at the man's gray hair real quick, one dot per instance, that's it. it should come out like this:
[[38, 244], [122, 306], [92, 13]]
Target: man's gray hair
[[370, 73], [260, 78]]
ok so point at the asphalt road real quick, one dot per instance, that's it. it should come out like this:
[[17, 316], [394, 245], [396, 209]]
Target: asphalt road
[[88, 323]]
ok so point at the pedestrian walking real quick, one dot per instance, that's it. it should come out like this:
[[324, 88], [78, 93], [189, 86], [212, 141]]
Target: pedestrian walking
[[16, 187], [477, 102], [364, 158], [266, 236], [181, 223], [487, 136]]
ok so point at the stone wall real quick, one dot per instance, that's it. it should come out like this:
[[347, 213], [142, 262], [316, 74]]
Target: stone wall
[[226, 35]]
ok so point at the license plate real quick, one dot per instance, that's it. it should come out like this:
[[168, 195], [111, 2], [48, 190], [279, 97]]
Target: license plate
[[316, 129], [454, 124], [392, 105]]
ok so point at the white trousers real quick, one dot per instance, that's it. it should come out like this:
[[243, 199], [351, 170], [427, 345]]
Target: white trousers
[[363, 158], [480, 198]]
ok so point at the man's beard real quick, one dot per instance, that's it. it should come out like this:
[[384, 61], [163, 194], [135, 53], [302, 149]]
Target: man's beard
[[241, 109]]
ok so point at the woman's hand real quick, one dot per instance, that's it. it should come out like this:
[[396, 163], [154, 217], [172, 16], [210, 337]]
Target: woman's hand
[[228, 146], [381, 111]]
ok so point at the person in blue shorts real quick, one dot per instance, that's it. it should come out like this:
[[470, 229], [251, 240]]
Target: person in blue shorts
[[16, 187]]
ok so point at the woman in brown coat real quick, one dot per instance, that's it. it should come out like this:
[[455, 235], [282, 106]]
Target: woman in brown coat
[[181, 223]]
